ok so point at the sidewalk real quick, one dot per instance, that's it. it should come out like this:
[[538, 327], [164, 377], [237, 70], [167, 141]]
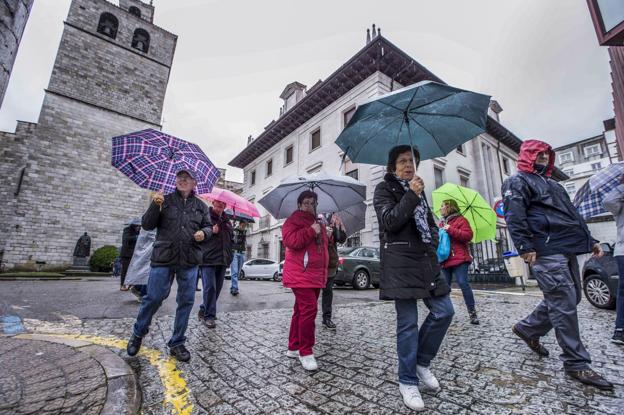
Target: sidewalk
[[240, 367], [52, 375]]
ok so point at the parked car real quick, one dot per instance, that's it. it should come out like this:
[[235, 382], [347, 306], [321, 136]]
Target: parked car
[[600, 279], [260, 269], [280, 271], [358, 267]]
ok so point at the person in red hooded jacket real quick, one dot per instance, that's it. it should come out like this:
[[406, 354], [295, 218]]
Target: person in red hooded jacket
[[459, 259], [549, 233], [305, 272]]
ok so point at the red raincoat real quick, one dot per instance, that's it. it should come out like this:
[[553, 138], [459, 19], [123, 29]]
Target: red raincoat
[[307, 256], [461, 234], [529, 151]]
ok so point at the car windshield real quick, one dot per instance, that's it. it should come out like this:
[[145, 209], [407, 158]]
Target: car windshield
[[346, 250]]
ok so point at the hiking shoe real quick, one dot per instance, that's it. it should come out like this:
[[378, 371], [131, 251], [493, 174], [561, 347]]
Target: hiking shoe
[[589, 377], [411, 397], [473, 317], [534, 344], [200, 314], [292, 353], [308, 362], [427, 378], [180, 352], [329, 324], [618, 336], [210, 323], [134, 345]]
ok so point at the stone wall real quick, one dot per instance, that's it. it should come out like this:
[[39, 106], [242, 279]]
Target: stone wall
[[109, 73], [70, 186], [99, 88], [13, 17]]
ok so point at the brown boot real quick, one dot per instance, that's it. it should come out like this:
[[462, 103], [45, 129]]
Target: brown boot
[[534, 344], [589, 377]]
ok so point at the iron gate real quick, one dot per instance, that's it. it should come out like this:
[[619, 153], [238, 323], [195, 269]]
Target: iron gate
[[488, 265]]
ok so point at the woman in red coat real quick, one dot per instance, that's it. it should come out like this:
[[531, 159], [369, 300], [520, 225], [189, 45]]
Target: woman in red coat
[[459, 259], [305, 272]]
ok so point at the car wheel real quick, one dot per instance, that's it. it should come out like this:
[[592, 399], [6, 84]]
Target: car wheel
[[277, 277], [241, 275], [597, 292], [361, 280]]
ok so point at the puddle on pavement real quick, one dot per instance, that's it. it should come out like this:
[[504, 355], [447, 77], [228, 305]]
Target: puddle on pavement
[[11, 324]]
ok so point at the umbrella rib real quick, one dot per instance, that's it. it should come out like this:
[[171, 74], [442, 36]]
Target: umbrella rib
[[390, 105], [445, 115], [432, 102], [428, 132], [370, 138]]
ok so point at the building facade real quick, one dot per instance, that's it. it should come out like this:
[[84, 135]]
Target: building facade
[[13, 18], [302, 140], [109, 78]]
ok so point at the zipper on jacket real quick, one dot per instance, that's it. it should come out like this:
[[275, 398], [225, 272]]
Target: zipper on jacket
[[394, 243]]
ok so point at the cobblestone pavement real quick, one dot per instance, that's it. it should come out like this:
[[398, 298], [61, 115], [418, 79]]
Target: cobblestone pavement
[[240, 367], [38, 377]]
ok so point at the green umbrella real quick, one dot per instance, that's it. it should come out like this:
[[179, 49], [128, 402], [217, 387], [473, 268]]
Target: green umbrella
[[472, 206]]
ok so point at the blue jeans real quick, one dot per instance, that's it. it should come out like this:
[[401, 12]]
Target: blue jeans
[[235, 267], [419, 347], [619, 319], [461, 276], [212, 282], [158, 288]]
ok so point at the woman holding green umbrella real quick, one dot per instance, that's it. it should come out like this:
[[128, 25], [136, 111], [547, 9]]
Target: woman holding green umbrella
[[459, 259]]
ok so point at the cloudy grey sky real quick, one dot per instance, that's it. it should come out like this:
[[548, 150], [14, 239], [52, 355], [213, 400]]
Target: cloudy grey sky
[[540, 59]]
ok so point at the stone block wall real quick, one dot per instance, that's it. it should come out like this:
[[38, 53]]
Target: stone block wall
[[109, 73], [70, 187], [13, 17]]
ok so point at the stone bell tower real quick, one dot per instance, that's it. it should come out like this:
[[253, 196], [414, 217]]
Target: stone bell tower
[[109, 78]]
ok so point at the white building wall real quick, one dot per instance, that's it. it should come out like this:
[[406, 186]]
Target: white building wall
[[328, 158]]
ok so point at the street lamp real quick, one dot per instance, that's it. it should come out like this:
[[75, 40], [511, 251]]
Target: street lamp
[[608, 18]]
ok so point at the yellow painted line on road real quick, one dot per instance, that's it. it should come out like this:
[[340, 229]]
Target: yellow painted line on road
[[176, 391]]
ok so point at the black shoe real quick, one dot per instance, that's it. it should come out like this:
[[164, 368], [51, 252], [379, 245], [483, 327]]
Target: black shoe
[[134, 345], [618, 336], [197, 289], [329, 324], [210, 323], [180, 353], [534, 344], [200, 314], [589, 377], [234, 292], [473, 317]]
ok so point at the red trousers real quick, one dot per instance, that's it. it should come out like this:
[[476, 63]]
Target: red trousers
[[302, 325]]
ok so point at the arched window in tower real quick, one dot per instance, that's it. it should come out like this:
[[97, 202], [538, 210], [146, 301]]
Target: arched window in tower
[[108, 25], [135, 11], [141, 40]]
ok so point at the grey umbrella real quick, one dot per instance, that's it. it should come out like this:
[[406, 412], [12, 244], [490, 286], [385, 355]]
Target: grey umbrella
[[334, 192], [353, 218]]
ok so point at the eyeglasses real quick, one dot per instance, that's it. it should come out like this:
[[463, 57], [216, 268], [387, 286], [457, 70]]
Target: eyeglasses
[[184, 179]]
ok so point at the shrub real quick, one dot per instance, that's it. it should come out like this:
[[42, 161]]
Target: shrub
[[102, 258]]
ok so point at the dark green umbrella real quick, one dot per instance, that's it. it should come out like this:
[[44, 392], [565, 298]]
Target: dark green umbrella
[[434, 117]]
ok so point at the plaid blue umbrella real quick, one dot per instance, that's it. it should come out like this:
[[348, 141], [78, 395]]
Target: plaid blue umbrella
[[588, 199], [152, 158]]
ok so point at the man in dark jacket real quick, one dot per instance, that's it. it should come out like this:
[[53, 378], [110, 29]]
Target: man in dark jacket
[[217, 256], [548, 233], [128, 242], [181, 221], [337, 235]]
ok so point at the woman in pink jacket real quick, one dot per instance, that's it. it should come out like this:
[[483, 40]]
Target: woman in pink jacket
[[305, 272]]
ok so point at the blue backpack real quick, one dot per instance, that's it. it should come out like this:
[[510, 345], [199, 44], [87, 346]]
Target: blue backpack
[[444, 246]]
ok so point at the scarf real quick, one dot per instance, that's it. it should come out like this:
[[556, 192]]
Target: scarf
[[446, 220], [420, 214]]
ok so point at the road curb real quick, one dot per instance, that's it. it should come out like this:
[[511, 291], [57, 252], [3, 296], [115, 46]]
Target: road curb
[[123, 395]]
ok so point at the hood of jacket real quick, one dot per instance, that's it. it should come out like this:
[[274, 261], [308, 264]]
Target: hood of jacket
[[528, 154]]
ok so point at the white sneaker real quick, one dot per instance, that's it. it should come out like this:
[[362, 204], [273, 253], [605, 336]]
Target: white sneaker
[[308, 362], [427, 378], [292, 353], [411, 397]]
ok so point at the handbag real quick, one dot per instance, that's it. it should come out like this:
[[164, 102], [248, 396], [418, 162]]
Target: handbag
[[444, 245]]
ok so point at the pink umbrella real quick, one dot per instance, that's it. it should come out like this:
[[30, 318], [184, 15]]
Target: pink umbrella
[[232, 201]]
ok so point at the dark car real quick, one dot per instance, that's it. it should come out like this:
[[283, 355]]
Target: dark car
[[358, 267], [600, 279]]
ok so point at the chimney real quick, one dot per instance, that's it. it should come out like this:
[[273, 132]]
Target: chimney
[[379, 31], [368, 37], [495, 109], [249, 139], [374, 31]]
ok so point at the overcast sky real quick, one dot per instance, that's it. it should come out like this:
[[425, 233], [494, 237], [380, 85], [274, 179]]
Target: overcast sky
[[539, 59]]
